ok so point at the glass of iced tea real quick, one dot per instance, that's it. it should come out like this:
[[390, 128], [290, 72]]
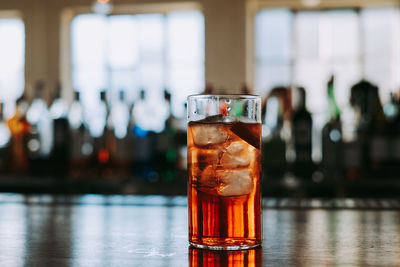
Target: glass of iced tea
[[224, 167]]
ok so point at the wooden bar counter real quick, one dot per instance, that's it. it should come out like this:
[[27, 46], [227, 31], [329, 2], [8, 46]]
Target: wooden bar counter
[[95, 230]]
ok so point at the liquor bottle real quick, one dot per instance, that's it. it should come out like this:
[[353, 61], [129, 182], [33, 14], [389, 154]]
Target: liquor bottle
[[181, 140], [332, 150], [395, 139], [40, 134], [19, 128], [120, 116], [61, 140], [353, 141], [81, 147], [302, 137], [378, 135], [275, 132], [102, 146], [166, 146], [144, 154], [120, 120], [5, 142]]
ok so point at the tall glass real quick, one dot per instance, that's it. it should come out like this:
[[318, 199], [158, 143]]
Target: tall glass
[[224, 166]]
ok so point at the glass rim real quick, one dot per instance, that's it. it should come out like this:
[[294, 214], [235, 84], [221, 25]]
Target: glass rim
[[224, 96]]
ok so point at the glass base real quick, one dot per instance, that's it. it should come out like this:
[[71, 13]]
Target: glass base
[[234, 247]]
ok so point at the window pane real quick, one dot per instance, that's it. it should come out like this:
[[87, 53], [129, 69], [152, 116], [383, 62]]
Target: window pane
[[345, 35], [134, 52], [307, 32], [122, 42], [12, 59], [273, 34], [127, 81], [184, 80], [151, 76], [313, 76], [151, 36], [88, 40], [327, 44], [273, 49], [381, 48], [186, 37], [89, 79], [185, 55], [272, 75]]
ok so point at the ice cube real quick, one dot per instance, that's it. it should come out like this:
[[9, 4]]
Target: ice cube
[[234, 182], [208, 134], [208, 177], [237, 155], [206, 157]]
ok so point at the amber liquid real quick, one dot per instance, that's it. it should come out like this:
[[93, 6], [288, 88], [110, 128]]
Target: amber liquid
[[217, 258], [224, 189]]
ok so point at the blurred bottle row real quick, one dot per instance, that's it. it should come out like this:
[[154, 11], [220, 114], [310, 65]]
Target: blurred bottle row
[[113, 140], [104, 142], [357, 143]]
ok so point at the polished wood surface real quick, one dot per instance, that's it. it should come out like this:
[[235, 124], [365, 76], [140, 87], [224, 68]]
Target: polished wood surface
[[94, 230]]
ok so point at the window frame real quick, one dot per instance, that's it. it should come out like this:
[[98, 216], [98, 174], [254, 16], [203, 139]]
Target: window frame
[[68, 14]]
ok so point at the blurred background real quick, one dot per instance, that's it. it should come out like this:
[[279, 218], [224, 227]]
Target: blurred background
[[92, 93]]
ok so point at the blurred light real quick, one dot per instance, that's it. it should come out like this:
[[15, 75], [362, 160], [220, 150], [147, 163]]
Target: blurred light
[[120, 132], [310, 3], [183, 156], [170, 155], [87, 149], [103, 156], [265, 131], [59, 109], [36, 110], [139, 132], [272, 112], [97, 119], [335, 135], [75, 115], [318, 177], [33, 145], [4, 135], [390, 110], [290, 181], [103, 7]]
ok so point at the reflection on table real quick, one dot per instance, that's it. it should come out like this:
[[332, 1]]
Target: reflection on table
[[130, 230]]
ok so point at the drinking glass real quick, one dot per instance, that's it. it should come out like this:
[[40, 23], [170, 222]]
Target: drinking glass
[[224, 166]]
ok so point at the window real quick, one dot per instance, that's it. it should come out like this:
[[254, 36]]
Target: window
[[134, 52], [12, 61], [304, 48]]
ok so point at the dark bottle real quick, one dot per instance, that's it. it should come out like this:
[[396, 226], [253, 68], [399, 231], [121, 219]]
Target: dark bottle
[[81, 146], [143, 142], [41, 133], [5, 142], [61, 135], [275, 132], [302, 137], [377, 135], [122, 153], [394, 123], [352, 141], [373, 129], [167, 145], [19, 128], [332, 143], [103, 144]]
